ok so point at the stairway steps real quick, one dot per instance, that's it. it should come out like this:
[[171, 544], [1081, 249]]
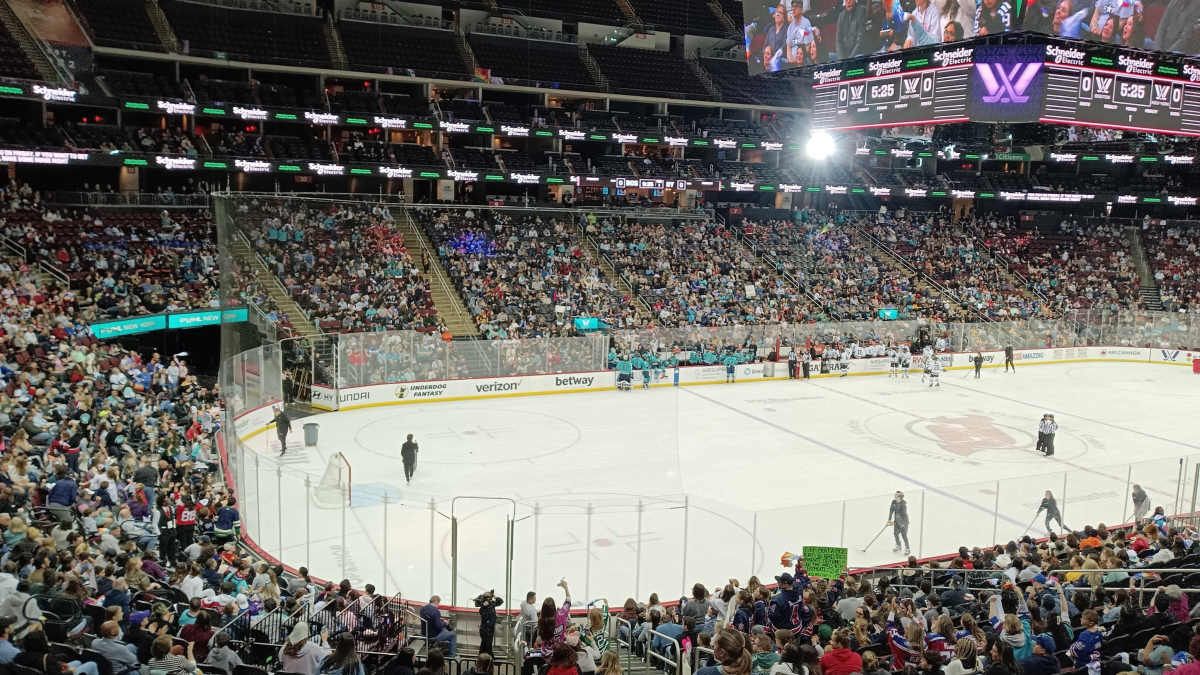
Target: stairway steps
[[162, 27], [450, 306], [27, 42]]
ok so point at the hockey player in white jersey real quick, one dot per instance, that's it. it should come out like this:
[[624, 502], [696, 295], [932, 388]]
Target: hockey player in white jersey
[[905, 361], [935, 373], [926, 359], [845, 362], [893, 363]]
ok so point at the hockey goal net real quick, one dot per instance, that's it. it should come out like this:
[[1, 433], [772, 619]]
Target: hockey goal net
[[333, 490]]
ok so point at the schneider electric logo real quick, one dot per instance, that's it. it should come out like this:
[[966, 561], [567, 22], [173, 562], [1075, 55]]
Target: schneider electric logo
[[1133, 64], [1191, 72], [827, 76], [953, 57], [1065, 55], [1007, 84], [885, 67]]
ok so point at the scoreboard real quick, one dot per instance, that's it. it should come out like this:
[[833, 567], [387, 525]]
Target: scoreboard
[[1068, 83], [1132, 91], [893, 90]]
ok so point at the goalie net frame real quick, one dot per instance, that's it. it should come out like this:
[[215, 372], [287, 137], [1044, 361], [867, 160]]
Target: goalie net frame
[[329, 491]]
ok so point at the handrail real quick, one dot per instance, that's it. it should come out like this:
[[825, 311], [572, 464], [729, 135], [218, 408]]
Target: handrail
[[697, 651], [652, 654], [1006, 262], [604, 259], [56, 272], [626, 643], [12, 245], [788, 276], [924, 277], [125, 199]]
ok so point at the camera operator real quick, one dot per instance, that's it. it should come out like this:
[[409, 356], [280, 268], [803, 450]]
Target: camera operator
[[486, 603]]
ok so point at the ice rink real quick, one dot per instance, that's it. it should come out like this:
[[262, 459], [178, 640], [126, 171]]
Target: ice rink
[[628, 493]]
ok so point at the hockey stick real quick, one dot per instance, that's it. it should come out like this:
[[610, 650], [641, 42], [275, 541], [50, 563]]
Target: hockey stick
[[1026, 530], [873, 539]]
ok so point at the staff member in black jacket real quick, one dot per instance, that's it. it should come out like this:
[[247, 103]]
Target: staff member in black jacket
[[487, 619], [1008, 359], [283, 424]]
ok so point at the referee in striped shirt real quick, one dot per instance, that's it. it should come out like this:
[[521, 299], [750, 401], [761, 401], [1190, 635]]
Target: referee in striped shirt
[[1046, 431]]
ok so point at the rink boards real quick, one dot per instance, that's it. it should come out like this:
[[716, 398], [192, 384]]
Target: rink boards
[[353, 398]]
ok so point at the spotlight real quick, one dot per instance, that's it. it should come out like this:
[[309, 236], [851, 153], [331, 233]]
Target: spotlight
[[820, 145]]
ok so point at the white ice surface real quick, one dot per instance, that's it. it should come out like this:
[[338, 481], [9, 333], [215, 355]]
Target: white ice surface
[[764, 467]]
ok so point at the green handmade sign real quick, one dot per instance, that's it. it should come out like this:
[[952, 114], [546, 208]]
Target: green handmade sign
[[825, 562]]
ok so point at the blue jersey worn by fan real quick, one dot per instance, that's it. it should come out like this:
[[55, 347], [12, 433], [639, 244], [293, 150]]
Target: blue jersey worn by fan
[[788, 609]]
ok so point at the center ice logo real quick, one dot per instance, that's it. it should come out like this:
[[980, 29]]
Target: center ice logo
[[967, 434]]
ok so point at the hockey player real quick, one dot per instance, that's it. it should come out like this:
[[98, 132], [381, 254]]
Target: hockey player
[[829, 359], [935, 373], [926, 359], [905, 360], [646, 377], [893, 363], [845, 361], [624, 373], [730, 362]]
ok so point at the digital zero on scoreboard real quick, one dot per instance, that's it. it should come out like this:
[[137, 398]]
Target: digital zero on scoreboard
[[928, 87]]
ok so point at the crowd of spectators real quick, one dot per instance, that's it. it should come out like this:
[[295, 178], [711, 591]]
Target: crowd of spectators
[[843, 275], [522, 275], [1076, 267], [695, 272], [122, 262], [346, 266], [1086, 601], [951, 255], [1173, 252]]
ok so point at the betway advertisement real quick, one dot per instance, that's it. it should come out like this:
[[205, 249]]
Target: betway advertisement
[[455, 390]]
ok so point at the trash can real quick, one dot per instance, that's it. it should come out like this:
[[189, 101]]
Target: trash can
[[310, 434]]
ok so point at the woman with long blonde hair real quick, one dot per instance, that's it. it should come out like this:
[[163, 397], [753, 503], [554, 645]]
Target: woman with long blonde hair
[[610, 664]]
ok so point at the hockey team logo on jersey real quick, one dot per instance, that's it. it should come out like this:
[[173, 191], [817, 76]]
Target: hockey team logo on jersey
[[964, 435]]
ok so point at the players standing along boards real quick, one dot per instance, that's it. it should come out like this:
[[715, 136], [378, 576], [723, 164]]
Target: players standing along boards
[[898, 519]]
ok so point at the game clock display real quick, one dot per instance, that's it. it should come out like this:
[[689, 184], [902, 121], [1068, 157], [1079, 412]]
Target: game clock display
[[893, 90], [1089, 96]]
